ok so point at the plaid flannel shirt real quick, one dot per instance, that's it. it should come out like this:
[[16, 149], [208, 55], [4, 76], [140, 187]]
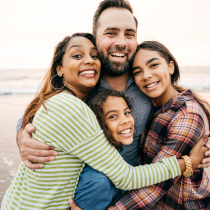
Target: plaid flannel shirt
[[172, 130]]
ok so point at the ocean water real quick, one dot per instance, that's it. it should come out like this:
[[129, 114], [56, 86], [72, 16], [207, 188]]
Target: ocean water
[[27, 81], [21, 81]]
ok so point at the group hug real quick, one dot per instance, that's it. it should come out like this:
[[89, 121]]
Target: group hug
[[110, 128]]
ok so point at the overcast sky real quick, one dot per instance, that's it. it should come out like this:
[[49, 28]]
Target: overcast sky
[[29, 30]]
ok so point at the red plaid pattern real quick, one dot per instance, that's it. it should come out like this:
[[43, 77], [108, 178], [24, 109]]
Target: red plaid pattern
[[172, 130]]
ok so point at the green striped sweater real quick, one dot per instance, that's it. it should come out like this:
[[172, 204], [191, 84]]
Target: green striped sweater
[[71, 127]]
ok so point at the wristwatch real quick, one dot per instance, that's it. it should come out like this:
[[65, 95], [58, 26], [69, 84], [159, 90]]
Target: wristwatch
[[189, 171]]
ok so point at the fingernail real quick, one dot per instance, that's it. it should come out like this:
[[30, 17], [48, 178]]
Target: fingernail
[[51, 158], [55, 153], [204, 161], [41, 166], [198, 166], [71, 201], [207, 145], [52, 147]]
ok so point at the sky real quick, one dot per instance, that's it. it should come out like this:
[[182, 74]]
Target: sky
[[29, 30]]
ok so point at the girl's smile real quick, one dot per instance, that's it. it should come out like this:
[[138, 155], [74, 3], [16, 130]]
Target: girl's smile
[[118, 119]]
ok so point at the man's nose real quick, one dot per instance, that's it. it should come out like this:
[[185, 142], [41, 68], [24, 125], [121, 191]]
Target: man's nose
[[121, 41]]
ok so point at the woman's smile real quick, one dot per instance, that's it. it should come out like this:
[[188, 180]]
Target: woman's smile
[[80, 64], [89, 72]]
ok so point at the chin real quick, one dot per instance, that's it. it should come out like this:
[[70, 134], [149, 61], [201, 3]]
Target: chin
[[127, 142], [90, 84]]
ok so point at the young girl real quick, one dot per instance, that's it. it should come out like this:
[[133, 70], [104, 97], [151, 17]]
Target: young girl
[[65, 122], [179, 118], [113, 112]]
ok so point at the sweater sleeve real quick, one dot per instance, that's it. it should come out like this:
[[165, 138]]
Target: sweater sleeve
[[68, 124]]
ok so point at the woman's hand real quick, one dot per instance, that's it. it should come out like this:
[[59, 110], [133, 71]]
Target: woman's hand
[[32, 150], [197, 154]]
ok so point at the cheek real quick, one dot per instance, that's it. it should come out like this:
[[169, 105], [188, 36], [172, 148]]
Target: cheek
[[98, 63], [132, 45], [132, 121], [112, 127], [168, 79], [105, 43], [137, 80]]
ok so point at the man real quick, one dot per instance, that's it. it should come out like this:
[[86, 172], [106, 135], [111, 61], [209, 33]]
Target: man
[[115, 30]]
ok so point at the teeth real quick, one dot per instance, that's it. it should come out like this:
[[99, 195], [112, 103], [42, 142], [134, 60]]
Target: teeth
[[87, 72], [148, 86], [125, 131], [118, 54]]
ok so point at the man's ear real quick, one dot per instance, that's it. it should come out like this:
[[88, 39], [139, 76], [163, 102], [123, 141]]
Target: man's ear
[[59, 71], [171, 67]]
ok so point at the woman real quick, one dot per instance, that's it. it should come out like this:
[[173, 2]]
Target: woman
[[178, 120], [63, 121]]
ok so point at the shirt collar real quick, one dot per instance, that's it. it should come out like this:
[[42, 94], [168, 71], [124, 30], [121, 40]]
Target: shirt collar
[[176, 102], [106, 85]]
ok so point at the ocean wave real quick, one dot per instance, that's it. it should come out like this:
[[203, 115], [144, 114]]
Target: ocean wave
[[18, 91]]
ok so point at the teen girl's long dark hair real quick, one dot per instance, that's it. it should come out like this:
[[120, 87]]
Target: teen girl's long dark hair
[[167, 55]]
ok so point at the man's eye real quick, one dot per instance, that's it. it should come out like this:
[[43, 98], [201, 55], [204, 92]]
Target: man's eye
[[130, 34], [110, 33]]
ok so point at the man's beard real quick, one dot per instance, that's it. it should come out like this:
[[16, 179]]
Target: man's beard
[[114, 69]]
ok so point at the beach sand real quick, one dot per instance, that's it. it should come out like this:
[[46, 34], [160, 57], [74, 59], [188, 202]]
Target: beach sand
[[11, 109]]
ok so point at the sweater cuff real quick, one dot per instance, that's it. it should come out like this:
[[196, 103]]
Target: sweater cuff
[[172, 165]]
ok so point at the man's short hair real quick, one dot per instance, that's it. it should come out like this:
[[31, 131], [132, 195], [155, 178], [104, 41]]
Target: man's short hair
[[105, 4]]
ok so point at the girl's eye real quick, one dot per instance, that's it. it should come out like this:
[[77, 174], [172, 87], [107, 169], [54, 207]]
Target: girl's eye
[[154, 65], [136, 72], [128, 113], [112, 116]]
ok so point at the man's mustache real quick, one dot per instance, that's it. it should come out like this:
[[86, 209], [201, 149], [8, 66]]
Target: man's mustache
[[118, 49]]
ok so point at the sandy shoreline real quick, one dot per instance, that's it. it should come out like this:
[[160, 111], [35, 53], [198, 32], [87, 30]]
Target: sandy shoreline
[[11, 109]]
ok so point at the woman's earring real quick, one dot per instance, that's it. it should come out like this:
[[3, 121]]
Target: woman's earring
[[60, 87]]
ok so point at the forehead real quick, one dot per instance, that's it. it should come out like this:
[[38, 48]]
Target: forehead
[[116, 17], [80, 42], [113, 103], [144, 54]]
